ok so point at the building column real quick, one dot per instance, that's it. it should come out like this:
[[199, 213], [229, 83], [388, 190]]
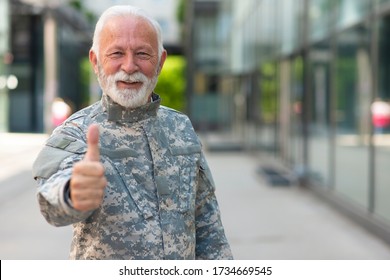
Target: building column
[[50, 74], [4, 48]]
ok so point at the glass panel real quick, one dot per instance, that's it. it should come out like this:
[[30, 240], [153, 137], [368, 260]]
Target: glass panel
[[382, 6], [249, 55], [381, 121], [352, 11], [320, 16], [284, 75], [291, 23], [207, 47], [296, 135], [352, 94], [299, 18], [319, 144], [268, 105], [266, 29]]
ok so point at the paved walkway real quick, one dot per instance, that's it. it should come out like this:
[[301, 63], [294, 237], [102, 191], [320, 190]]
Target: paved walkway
[[268, 222], [261, 221]]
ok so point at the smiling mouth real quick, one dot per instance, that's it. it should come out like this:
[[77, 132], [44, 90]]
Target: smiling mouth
[[128, 84]]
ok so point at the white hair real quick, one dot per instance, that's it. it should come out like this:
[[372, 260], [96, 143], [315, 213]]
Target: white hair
[[125, 10]]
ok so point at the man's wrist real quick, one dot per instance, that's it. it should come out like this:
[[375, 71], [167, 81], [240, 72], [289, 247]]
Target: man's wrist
[[67, 198]]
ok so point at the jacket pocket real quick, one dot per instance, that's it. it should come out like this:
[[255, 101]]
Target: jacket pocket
[[189, 173]]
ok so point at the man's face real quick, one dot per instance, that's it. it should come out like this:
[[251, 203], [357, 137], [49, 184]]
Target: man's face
[[127, 97], [128, 64]]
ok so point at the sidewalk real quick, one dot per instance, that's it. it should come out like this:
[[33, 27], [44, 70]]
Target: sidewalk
[[285, 222], [24, 234], [18, 151], [261, 221], [281, 222]]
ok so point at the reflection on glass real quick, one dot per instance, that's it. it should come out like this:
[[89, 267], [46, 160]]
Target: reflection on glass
[[353, 84], [296, 136], [319, 145], [320, 16], [267, 104], [352, 11], [291, 20], [381, 123]]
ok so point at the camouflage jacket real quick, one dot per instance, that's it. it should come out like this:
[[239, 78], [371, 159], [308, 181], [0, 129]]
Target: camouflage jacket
[[160, 199]]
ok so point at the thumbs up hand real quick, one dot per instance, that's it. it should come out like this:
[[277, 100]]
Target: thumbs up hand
[[93, 153], [88, 181]]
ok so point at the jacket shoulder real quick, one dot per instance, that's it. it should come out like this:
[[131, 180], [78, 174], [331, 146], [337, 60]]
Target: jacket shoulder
[[172, 114], [66, 140]]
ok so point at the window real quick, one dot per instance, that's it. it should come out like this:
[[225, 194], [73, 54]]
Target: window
[[352, 114]]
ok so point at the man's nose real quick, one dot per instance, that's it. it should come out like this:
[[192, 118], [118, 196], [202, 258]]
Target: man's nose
[[129, 64]]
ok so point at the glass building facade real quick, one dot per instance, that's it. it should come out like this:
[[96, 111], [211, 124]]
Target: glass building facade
[[313, 80]]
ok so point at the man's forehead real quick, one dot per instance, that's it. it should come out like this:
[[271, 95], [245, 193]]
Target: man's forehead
[[129, 31], [130, 22]]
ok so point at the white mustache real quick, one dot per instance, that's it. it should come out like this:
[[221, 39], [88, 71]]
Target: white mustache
[[132, 78]]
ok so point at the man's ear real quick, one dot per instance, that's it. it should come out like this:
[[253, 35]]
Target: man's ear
[[94, 61], [162, 60]]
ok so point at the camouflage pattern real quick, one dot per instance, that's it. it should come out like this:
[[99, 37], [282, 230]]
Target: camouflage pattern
[[160, 199]]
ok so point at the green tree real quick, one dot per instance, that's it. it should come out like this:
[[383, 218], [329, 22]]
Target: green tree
[[268, 84], [171, 83]]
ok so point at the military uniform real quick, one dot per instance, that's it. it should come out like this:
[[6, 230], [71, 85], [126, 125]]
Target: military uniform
[[160, 199]]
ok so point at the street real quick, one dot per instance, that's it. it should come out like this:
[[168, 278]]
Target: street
[[24, 233]]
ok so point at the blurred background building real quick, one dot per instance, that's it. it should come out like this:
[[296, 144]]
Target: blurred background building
[[296, 79], [44, 45]]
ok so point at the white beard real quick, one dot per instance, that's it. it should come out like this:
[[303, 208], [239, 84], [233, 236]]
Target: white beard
[[128, 98]]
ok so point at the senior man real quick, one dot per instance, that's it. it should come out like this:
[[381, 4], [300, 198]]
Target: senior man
[[127, 173]]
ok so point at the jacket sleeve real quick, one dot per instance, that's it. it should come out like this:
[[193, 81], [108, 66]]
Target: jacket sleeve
[[211, 242], [52, 170]]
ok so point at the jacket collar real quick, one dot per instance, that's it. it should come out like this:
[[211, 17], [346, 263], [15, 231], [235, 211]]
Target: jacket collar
[[117, 113]]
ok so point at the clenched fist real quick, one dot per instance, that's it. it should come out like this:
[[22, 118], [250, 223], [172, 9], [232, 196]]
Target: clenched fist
[[88, 181]]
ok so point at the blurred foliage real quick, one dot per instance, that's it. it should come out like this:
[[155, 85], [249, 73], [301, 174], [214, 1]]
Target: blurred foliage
[[76, 4], [181, 16], [85, 80], [268, 88], [180, 12], [345, 81], [171, 83]]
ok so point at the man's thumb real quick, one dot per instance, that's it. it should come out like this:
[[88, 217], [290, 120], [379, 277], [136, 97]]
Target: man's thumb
[[93, 153]]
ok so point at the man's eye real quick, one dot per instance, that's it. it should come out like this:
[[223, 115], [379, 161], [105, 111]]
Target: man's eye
[[143, 55], [116, 54]]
